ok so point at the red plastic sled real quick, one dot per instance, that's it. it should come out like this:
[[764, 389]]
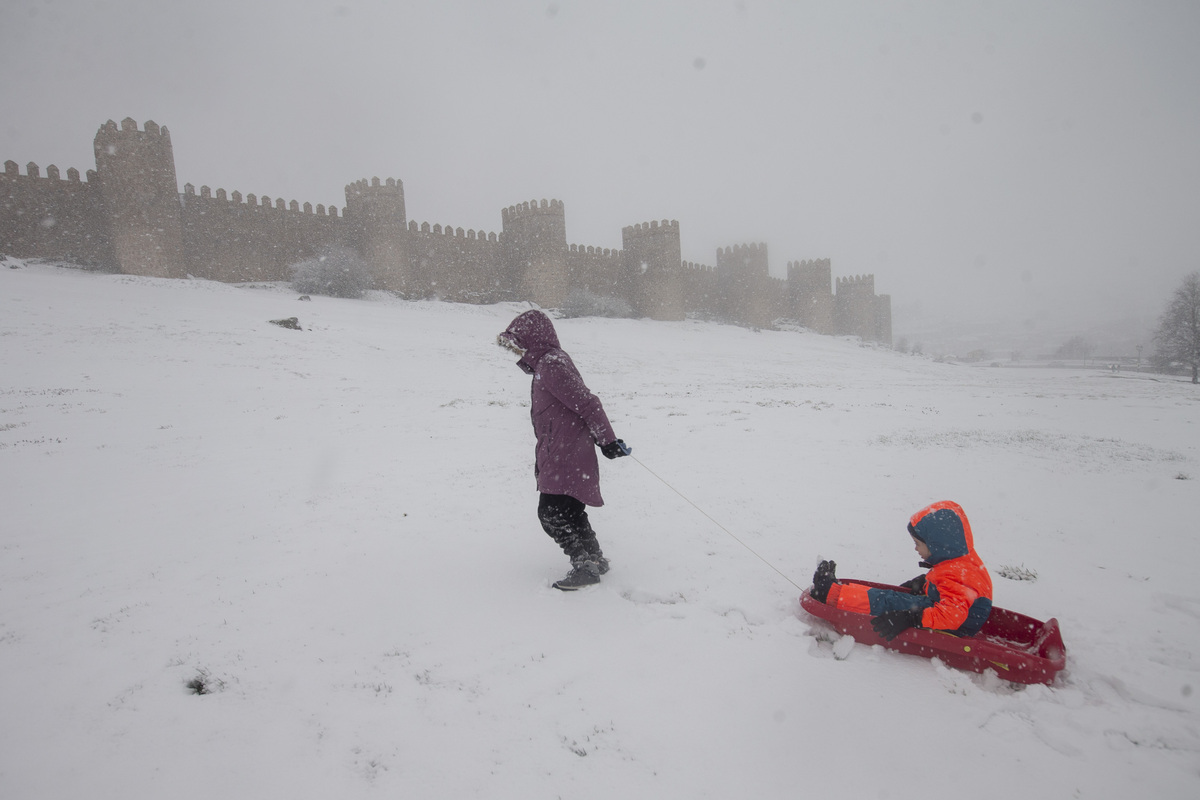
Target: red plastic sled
[[1020, 649]]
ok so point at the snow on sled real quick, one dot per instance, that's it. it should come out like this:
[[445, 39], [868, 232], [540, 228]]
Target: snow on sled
[[1020, 649]]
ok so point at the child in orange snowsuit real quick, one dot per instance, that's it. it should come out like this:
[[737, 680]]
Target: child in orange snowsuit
[[954, 596]]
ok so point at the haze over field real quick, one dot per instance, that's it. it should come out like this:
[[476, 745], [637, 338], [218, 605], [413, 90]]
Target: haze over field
[[1013, 174]]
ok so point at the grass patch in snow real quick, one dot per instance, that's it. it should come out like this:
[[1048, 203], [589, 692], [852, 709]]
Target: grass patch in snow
[[1013, 573]]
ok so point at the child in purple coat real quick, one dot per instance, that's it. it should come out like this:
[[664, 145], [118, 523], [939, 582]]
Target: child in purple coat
[[569, 423]]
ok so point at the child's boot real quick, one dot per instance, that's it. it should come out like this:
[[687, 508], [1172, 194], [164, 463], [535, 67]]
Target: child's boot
[[585, 571]]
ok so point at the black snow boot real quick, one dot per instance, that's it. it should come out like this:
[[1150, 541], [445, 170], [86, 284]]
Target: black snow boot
[[585, 571]]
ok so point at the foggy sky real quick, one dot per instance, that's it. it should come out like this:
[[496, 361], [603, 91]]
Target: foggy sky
[[983, 160]]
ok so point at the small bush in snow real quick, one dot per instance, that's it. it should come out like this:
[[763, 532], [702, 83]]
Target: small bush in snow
[[582, 303], [1017, 573], [338, 272], [204, 683]]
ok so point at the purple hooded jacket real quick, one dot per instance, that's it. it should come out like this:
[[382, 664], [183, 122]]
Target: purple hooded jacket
[[568, 420]]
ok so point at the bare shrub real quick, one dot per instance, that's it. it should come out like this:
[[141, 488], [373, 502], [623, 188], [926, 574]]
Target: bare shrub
[[337, 272], [582, 303]]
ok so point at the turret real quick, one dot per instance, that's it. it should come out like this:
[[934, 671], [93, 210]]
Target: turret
[[652, 258], [810, 293], [744, 283], [379, 230], [136, 171], [855, 307], [534, 242]]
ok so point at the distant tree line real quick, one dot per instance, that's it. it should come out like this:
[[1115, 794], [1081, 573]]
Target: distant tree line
[[1177, 341]]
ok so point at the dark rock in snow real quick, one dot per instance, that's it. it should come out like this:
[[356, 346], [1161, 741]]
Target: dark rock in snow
[[291, 323]]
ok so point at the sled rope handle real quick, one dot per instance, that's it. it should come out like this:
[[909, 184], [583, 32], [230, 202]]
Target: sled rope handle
[[719, 525]]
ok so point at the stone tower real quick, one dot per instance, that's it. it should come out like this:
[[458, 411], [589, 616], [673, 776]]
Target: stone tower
[[534, 242], [810, 293], [379, 229], [652, 257], [136, 170], [743, 280], [855, 308]]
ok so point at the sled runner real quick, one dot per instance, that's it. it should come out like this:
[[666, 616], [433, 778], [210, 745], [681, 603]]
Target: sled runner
[[1020, 649]]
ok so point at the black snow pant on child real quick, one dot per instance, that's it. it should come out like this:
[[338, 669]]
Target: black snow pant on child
[[565, 519]]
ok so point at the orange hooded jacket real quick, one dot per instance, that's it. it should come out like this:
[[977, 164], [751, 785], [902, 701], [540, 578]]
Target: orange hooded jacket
[[958, 589]]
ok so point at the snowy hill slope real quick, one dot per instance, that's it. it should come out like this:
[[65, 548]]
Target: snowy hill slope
[[334, 531]]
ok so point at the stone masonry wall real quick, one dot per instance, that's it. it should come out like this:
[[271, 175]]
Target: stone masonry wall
[[129, 216]]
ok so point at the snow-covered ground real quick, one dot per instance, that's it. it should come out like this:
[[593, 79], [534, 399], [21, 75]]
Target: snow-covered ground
[[333, 529]]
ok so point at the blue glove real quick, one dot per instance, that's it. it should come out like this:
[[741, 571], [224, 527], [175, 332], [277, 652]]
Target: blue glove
[[615, 449]]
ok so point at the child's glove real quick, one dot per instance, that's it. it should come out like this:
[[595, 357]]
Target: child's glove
[[916, 585], [823, 580], [615, 449], [891, 624]]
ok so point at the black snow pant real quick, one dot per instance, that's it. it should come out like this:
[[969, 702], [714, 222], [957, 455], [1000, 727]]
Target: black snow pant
[[565, 519]]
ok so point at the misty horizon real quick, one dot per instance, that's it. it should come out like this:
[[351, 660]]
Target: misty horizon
[[1028, 170]]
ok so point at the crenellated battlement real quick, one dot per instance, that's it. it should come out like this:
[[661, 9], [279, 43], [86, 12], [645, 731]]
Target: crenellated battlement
[[598, 251], [129, 125], [754, 249], [389, 186], [810, 277], [12, 170], [452, 232], [377, 202], [252, 201], [652, 228], [744, 260], [532, 209], [129, 215], [856, 283]]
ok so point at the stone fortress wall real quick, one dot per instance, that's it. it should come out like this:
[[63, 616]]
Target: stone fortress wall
[[129, 216]]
